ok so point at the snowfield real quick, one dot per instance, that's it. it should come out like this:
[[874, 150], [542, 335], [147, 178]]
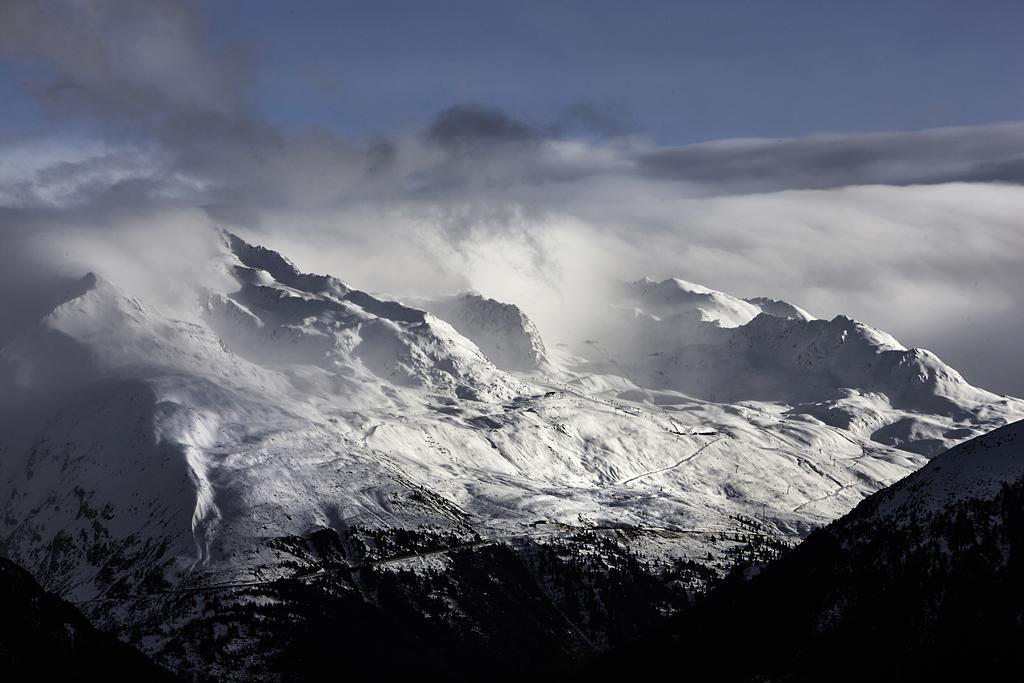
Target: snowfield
[[142, 455]]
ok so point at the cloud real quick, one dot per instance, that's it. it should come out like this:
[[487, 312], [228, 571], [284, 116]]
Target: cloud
[[913, 232], [472, 125], [135, 60], [988, 153]]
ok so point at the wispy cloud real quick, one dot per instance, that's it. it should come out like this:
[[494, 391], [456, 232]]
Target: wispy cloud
[[989, 153]]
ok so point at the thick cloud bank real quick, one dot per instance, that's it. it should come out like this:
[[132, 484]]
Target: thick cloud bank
[[151, 141]]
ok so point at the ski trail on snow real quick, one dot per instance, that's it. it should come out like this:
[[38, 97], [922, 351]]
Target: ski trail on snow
[[687, 459]]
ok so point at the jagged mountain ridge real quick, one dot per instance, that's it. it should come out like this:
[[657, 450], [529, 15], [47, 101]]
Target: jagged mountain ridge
[[182, 457]]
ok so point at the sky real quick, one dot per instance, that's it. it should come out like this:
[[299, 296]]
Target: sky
[[857, 158], [680, 72]]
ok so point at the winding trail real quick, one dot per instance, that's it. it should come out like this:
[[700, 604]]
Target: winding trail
[[685, 460], [825, 497]]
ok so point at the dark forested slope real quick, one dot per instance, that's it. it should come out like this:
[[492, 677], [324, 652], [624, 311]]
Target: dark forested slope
[[44, 638], [924, 580]]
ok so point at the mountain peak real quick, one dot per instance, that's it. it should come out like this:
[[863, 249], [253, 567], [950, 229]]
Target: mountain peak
[[502, 331], [281, 269]]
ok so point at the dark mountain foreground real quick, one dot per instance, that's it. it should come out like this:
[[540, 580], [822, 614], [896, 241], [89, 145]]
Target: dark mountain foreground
[[44, 638], [922, 581]]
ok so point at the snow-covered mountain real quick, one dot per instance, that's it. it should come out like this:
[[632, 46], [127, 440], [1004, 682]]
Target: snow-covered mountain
[[922, 581], [302, 444]]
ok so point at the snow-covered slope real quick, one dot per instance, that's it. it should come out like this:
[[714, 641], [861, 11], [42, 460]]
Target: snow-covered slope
[[978, 469], [302, 434]]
